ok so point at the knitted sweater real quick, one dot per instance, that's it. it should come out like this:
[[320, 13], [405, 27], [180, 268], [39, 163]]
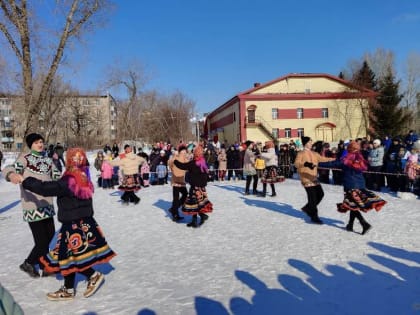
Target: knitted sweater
[[34, 164]]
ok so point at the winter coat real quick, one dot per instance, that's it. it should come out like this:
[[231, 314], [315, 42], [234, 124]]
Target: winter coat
[[106, 170], [178, 175], [270, 157], [259, 163], [249, 163], [161, 170], [232, 156], [34, 164], [197, 177], [376, 156], [222, 160], [308, 176], [129, 163], [69, 206], [352, 165], [98, 163]]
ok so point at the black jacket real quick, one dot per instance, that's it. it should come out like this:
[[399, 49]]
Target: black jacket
[[197, 177], [69, 206]]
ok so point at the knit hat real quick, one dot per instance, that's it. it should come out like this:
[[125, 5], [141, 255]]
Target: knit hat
[[305, 140], [182, 147], [353, 146], [248, 143], [162, 152], [32, 137], [377, 142]]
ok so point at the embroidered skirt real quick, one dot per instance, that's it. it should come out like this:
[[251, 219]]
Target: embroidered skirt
[[272, 175], [80, 245], [130, 183], [197, 202], [360, 200]]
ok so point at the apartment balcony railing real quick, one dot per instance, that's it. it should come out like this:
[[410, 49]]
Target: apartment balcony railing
[[7, 140]]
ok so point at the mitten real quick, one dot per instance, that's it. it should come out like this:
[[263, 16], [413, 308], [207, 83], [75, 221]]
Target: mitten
[[309, 164]]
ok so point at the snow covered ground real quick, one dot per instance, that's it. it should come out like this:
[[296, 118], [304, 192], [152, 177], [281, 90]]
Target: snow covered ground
[[253, 256]]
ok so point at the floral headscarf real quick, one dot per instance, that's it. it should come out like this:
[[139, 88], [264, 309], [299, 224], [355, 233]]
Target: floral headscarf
[[77, 171]]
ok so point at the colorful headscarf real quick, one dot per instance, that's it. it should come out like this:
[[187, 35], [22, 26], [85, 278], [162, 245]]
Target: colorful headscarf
[[199, 158], [78, 172]]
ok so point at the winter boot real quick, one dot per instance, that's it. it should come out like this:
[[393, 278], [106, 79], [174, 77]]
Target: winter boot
[[29, 269], [273, 194], [366, 227], [63, 294], [94, 283], [349, 227], [193, 223], [204, 217], [247, 192]]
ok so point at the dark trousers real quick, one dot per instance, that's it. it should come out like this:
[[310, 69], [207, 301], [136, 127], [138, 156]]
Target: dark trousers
[[273, 189], [129, 196], [176, 202], [315, 195], [376, 181], [42, 232], [254, 184], [69, 280], [356, 214]]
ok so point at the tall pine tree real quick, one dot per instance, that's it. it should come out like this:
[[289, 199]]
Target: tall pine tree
[[388, 117]]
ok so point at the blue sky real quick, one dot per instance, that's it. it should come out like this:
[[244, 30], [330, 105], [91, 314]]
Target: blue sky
[[213, 49]]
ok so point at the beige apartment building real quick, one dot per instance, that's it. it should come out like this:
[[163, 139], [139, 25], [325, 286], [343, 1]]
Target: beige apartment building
[[321, 106], [87, 119]]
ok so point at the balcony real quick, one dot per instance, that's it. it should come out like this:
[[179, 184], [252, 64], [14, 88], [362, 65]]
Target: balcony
[[7, 140]]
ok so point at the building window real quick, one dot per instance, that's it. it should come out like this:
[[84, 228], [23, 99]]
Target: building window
[[325, 113], [300, 113], [85, 102], [274, 114], [300, 132], [275, 133], [288, 133]]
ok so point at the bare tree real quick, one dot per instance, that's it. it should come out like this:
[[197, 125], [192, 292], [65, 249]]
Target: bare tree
[[131, 78], [17, 24], [411, 83], [380, 62]]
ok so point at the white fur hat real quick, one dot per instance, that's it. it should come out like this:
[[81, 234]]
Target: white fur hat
[[377, 142]]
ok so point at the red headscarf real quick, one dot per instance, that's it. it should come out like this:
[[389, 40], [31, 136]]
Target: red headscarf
[[78, 173]]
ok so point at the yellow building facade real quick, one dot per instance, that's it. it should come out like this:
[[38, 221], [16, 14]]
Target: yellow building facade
[[320, 106]]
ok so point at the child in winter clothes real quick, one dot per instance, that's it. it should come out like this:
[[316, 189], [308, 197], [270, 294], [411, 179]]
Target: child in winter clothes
[[356, 197], [412, 167], [80, 243], [222, 159], [161, 171], [197, 202], [144, 173], [259, 165], [106, 174]]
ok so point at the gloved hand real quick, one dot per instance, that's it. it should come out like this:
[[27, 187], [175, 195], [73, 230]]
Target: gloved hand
[[309, 164]]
